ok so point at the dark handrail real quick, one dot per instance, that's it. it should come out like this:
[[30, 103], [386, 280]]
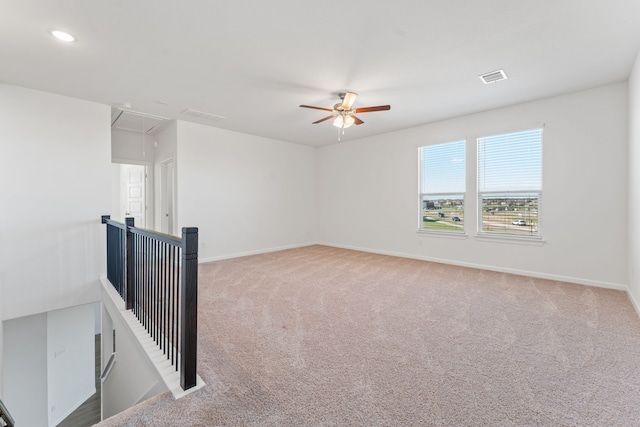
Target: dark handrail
[[165, 238], [6, 416], [156, 275]]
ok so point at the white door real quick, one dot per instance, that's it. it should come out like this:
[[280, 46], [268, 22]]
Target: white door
[[133, 192], [167, 193]]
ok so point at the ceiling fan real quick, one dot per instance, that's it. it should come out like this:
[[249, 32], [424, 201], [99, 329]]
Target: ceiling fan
[[343, 112]]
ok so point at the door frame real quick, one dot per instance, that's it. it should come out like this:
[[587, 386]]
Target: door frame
[[164, 227], [149, 187]]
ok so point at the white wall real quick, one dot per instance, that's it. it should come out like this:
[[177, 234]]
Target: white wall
[[106, 339], [56, 177], [55, 173], [49, 361], [132, 146], [634, 184], [115, 192], [133, 377], [368, 190], [26, 390], [70, 360], [246, 194]]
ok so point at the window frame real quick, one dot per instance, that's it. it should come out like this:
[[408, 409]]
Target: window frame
[[481, 195], [447, 194]]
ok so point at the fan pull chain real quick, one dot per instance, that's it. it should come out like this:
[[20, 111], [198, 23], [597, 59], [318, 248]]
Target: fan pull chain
[[340, 132]]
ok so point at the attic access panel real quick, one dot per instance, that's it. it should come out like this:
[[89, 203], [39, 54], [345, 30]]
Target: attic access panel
[[134, 121]]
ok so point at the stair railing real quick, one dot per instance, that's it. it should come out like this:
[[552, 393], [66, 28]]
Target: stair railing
[[157, 277]]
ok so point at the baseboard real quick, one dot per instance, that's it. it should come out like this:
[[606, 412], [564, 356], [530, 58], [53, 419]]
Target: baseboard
[[256, 252], [634, 302], [557, 277]]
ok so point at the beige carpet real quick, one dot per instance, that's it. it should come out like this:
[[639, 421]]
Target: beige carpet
[[320, 336]]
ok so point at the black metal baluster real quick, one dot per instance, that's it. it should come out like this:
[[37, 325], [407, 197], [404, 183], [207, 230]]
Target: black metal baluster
[[165, 308], [139, 275], [149, 285], [146, 281], [154, 324], [158, 293], [173, 311], [156, 269]]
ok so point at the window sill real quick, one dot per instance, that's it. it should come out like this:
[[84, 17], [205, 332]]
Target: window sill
[[443, 234], [519, 240]]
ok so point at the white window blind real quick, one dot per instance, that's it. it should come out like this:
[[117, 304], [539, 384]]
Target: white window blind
[[443, 168], [510, 162], [510, 183]]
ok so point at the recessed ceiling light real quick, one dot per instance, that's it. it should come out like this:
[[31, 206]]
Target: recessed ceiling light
[[62, 35]]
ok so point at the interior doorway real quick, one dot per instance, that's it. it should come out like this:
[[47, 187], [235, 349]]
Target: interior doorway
[[131, 193], [167, 193]]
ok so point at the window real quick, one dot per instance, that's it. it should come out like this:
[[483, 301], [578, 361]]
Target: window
[[442, 187], [510, 183]]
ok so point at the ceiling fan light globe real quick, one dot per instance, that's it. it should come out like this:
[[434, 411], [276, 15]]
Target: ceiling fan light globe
[[343, 121], [348, 121]]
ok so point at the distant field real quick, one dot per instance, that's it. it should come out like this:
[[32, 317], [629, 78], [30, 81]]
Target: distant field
[[431, 220], [498, 215]]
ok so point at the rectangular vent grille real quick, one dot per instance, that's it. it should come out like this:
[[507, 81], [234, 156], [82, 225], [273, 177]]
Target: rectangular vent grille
[[492, 77], [203, 115]]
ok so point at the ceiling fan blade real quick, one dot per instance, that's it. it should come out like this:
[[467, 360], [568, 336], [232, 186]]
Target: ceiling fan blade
[[317, 108], [326, 118], [370, 109], [357, 120], [349, 99]]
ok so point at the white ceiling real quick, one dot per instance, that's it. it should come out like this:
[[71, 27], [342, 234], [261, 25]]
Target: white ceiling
[[254, 61]]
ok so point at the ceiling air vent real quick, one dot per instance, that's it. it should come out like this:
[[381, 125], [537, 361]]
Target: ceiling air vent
[[492, 77], [203, 115]]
